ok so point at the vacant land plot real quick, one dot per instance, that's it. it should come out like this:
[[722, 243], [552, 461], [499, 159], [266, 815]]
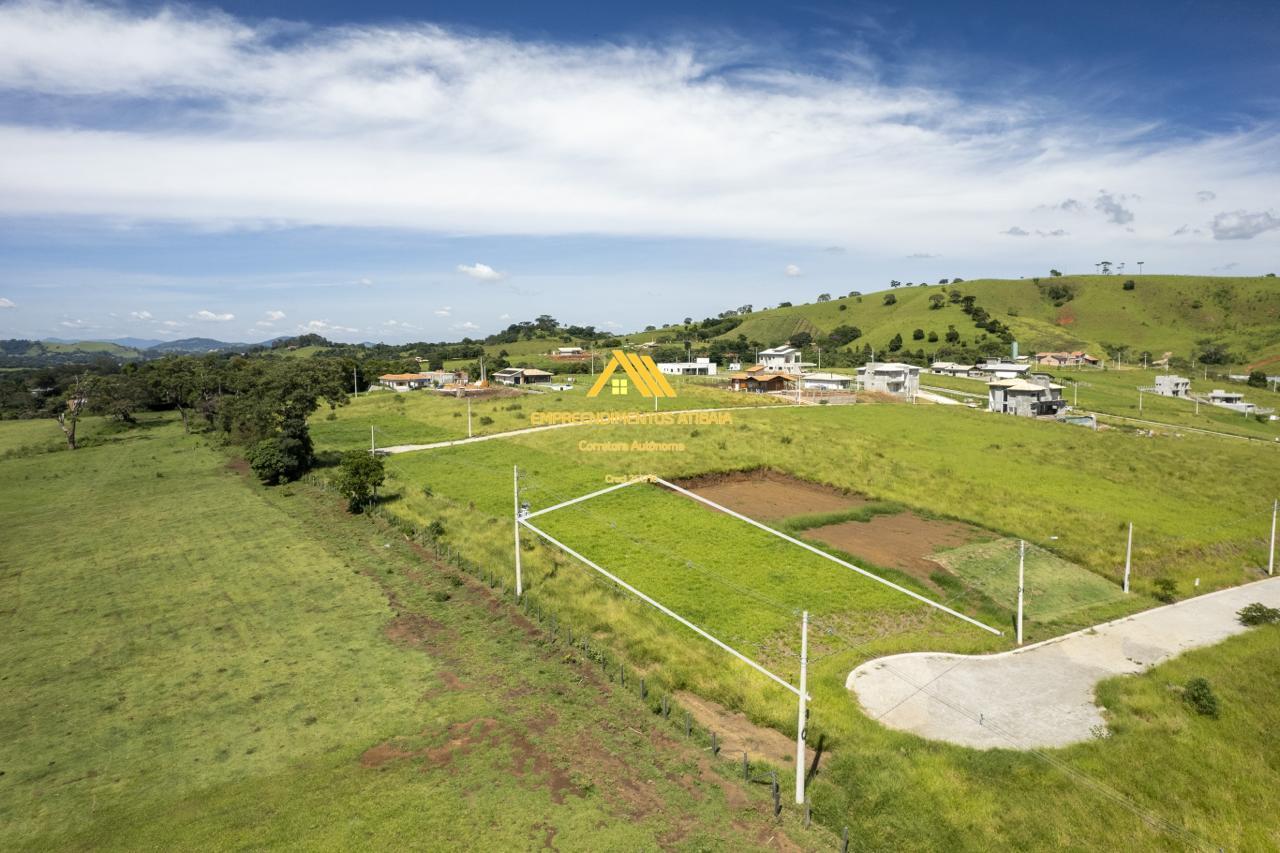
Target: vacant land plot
[[194, 662], [770, 495], [904, 541]]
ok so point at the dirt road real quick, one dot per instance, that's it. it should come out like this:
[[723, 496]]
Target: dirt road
[[1041, 695]]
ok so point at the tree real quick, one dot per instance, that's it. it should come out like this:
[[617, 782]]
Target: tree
[[933, 337], [784, 304], [842, 335], [895, 283], [824, 297], [1257, 379], [895, 343], [1130, 284], [73, 405], [953, 337], [359, 475], [917, 335], [800, 340], [1054, 273], [936, 301], [890, 299]]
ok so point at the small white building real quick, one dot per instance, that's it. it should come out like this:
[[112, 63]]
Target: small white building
[[950, 368], [697, 367], [825, 381], [890, 378], [1168, 385], [414, 381], [1003, 369], [785, 358], [1225, 398], [521, 376]]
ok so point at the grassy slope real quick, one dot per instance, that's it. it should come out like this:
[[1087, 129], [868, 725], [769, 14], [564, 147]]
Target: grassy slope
[[895, 790], [192, 661], [1157, 315]]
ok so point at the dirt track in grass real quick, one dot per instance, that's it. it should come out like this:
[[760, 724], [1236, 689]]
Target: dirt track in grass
[[770, 495]]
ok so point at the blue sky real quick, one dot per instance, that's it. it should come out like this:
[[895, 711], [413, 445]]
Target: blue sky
[[394, 171]]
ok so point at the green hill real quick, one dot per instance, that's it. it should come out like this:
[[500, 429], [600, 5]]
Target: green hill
[[1159, 314]]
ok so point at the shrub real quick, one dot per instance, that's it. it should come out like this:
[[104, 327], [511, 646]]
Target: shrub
[[1257, 379], [890, 299], [359, 476], [1199, 694], [436, 529], [917, 335], [1130, 284], [485, 420], [1258, 614], [1166, 590]]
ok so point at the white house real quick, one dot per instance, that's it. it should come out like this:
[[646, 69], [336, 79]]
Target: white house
[[521, 376], [785, 358], [950, 368], [826, 381], [1168, 385], [697, 367], [1004, 369], [1029, 399], [890, 378], [404, 381]]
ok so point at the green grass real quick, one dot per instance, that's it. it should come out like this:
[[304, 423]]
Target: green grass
[[1160, 314], [43, 435], [194, 662], [419, 417], [1012, 476]]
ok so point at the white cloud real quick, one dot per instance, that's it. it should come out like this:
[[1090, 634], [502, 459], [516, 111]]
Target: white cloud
[[141, 315], [275, 316], [418, 127], [5, 302], [323, 327], [480, 271], [365, 282], [504, 316], [1015, 231], [74, 324], [792, 270], [1243, 225], [443, 312], [466, 326], [172, 324], [211, 317], [397, 324]]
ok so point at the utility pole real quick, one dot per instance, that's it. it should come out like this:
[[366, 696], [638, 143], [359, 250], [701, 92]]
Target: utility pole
[[516, 524], [1139, 401], [1271, 559], [372, 447], [1022, 559], [1128, 557], [355, 383], [468, 417], [1140, 263], [802, 719]]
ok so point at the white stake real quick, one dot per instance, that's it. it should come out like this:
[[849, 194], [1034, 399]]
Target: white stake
[[1128, 557], [1022, 558], [516, 524], [800, 724], [468, 417], [1271, 560], [372, 447]]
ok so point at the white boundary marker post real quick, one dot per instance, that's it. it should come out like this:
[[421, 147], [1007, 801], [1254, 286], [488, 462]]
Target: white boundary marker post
[[800, 723], [827, 556], [1022, 557], [1128, 557], [1271, 559], [515, 471], [468, 417], [667, 610]]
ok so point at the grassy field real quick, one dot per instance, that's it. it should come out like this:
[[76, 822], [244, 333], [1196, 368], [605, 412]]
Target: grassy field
[[1069, 491], [1162, 313], [1115, 392], [421, 417], [43, 435], [195, 662]]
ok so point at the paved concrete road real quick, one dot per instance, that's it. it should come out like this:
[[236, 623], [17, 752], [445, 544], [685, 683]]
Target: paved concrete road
[[1041, 695]]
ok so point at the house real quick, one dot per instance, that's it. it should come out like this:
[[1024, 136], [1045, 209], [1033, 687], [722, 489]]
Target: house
[[1002, 369], [761, 380], [825, 381], [783, 358], [403, 381], [950, 368], [521, 376], [413, 381], [1168, 385], [890, 378], [1025, 398], [1225, 398], [697, 367], [569, 354], [1079, 358]]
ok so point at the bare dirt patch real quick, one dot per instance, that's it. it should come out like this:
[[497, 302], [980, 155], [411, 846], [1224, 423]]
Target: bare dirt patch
[[770, 495], [904, 541], [737, 734]]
